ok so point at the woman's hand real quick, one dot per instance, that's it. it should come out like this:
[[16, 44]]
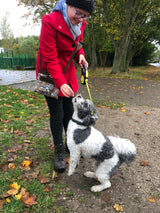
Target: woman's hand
[[67, 91], [82, 61]]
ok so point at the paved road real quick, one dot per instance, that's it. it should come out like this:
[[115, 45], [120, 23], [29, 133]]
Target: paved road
[[133, 92]]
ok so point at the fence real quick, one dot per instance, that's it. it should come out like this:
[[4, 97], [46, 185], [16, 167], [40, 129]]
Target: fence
[[9, 61]]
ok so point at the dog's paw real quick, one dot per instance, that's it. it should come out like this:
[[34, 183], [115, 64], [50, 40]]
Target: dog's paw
[[70, 173], [96, 189], [99, 188], [90, 174]]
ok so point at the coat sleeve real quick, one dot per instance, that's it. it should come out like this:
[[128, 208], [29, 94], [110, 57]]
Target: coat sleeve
[[48, 51]]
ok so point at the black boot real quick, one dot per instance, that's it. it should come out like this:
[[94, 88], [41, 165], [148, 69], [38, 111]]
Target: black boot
[[59, 158], [66, 147]]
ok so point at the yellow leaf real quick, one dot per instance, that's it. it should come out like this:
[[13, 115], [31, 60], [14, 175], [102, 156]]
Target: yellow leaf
[[11, 166], [14, 185], [122, 109], [54, 175], [18, 197], [152, 199], [8, 200], [26, 163], [118, 208]]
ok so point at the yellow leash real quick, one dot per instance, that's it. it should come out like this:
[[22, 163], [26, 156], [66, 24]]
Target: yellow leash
[[88, 91], [84, 79]]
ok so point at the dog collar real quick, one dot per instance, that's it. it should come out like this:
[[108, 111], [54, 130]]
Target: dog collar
[[78, 122]]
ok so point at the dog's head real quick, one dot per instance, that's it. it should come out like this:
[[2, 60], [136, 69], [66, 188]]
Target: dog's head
[[84, 111]]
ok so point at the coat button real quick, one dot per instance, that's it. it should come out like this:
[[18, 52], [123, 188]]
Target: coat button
[[73, 45]]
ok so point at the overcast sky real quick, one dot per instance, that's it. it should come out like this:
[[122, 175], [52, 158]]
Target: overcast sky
[[17, 23]]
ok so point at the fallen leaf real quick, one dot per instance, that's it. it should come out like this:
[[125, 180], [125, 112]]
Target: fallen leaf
[[4, 195], [27, 141], [11, 159], [30, 201], [67, 160], [27, 198], [46, 189], [44, 180], [19, 133], [24, 101], [118, 208], [18, 197], [122, 109], [152, 199], [147, 113], [26, 163], [52, 147], [8, 105], [14, 188], [8, 200], [29, 121], [144, 163], [54, 175], [5, 130], [14, 185], [11, 166], [15, 149], [129, 115]]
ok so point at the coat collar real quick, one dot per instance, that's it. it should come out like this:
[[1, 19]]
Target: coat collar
[[61, 25]]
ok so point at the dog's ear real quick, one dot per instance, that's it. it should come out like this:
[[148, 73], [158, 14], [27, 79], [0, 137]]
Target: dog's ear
[[90, 119]]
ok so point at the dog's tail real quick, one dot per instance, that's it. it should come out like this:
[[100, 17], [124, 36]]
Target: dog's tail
[[125, 149]]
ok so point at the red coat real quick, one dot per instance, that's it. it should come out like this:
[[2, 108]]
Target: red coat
[[56, 47]]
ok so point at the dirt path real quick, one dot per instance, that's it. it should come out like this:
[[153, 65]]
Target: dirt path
[[133, 185]]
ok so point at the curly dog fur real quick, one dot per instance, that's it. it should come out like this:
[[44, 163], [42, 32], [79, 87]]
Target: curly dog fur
[[83, 140]]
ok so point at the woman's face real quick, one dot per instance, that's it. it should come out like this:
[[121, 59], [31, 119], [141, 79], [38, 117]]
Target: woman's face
[[77, 15]]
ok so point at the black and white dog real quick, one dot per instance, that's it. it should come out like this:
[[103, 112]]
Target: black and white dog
[[83, 140]]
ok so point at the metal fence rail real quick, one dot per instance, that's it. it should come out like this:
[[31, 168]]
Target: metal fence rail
[[8, 61]]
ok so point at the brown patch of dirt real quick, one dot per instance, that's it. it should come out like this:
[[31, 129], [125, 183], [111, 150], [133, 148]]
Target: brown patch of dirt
[[134, 184]]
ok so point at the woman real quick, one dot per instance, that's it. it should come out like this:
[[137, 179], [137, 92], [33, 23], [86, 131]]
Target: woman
[[60, 32]]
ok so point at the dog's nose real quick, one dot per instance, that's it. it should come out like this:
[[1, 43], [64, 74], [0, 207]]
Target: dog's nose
[[79, 96]]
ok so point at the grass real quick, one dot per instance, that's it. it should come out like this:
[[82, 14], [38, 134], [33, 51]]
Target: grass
[[24, 114], [141, 73]]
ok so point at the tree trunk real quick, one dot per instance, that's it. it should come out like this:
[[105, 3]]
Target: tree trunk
[[93, 52], [102, 58], [120, 62]]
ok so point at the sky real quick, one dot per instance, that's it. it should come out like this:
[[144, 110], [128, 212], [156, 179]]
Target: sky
[[17, 23]]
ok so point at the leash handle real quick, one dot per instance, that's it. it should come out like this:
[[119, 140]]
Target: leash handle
[[84, 75], [84, 79]]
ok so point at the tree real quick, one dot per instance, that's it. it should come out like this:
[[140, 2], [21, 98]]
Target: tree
[[38, 8], [6, 33], [129, 23]]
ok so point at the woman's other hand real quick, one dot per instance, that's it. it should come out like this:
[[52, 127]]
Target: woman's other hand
[[67, 90]]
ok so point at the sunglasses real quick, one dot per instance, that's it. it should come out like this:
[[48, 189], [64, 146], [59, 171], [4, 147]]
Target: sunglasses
[[80, 16]]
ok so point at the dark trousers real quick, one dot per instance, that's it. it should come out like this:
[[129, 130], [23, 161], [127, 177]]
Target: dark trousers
[[61, 111]]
